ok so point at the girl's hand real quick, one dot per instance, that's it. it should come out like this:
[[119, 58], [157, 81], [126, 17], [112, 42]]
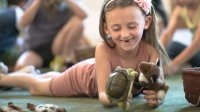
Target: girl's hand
[[151, 97], [171, 69]]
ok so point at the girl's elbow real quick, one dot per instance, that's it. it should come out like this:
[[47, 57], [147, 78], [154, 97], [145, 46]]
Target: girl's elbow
[[83, 16], [21, 25], [105, 101]]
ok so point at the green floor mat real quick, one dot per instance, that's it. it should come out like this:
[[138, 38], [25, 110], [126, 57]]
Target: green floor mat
[[174, 102]]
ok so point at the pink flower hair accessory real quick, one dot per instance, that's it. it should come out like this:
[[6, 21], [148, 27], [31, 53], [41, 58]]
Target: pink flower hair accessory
[[144, 4]]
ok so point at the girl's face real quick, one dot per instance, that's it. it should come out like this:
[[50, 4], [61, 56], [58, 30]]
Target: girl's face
[[126, 25]]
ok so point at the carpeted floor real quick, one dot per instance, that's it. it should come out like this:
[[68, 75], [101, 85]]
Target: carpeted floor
[[175, 101]]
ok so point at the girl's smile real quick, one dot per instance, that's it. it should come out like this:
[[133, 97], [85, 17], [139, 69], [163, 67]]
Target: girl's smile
[[126, 40], [126, 43]]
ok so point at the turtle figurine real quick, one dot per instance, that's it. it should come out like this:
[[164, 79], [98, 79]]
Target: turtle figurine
[[45, 108], [119, 85]]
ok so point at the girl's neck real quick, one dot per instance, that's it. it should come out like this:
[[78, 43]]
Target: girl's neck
[[128, 54], [128, 59]]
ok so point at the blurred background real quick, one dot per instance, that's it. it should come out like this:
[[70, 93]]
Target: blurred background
[[91, 23], [91, 35]]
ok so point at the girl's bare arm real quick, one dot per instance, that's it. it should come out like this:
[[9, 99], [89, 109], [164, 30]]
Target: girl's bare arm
[[77, 7], [190, 51], [103, 69], [168, 33], [29, 13]]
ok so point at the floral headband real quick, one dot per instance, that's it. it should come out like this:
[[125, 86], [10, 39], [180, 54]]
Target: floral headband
[[144, 4]]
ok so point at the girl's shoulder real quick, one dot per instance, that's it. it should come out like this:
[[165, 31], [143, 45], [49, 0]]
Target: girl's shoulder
[[103, 49], [153, 52], [102, 46]]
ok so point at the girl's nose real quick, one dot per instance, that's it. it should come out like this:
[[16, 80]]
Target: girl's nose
[[125, 33]]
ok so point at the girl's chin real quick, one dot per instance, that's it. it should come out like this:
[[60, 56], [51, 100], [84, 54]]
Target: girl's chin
[[127, 48]]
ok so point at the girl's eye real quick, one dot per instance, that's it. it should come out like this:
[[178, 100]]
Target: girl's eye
[[131, 26], [116, 28]]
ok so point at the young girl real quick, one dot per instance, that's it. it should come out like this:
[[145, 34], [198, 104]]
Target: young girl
[[54, 28], [187, 14], [128, 30]]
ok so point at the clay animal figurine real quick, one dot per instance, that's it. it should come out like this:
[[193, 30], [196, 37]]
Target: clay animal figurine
[[119, 85], [149, 79], [11, 107], [45, 108]]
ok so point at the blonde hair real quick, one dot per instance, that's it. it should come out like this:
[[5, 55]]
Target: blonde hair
[[150, 35]]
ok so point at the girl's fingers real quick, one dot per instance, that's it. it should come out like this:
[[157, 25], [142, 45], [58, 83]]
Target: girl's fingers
[[151, 98], [152, 103], [149, 92]]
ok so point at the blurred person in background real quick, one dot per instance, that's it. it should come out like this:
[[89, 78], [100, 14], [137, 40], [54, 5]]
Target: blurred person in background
[[185, 49], [54, 27], [10, 31]]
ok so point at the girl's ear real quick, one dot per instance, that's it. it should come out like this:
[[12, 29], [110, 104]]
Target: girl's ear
[[148, 20]]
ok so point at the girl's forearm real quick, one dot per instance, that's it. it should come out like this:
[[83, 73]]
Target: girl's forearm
[[165, 38], [186, 54], [77, 8], [30, 13]]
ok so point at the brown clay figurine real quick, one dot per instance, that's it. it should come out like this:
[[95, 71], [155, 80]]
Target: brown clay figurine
[[45, 108], [149, 79], [11, 107]]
